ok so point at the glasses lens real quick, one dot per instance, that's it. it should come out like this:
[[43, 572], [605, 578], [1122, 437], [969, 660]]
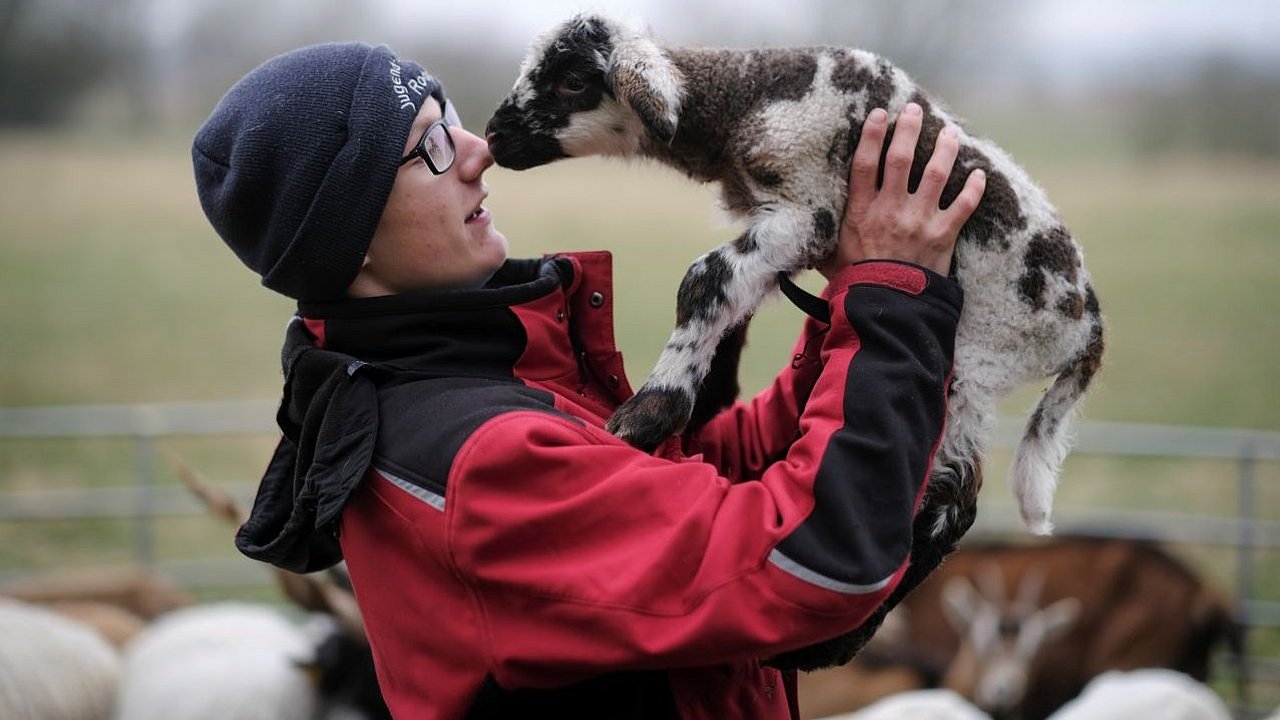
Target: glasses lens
[[439, 147]]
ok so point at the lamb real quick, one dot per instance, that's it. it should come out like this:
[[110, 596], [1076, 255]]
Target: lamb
[[776, 130]]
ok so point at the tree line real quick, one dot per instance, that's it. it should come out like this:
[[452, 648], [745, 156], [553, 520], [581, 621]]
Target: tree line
[[141, 64]]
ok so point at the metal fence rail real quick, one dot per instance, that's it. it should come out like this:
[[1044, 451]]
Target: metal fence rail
[[143, 420], [146, 500]]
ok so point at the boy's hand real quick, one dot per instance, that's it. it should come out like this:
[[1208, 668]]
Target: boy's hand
[[891, 223]]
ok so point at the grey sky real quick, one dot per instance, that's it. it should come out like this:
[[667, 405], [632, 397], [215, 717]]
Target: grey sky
[[1115, 26]]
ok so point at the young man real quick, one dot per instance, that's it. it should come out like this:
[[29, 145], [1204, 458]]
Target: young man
[[444, 411]]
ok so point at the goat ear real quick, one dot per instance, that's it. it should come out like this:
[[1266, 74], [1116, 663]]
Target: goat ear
[[644, 79], [1061, 616], [959, 603], [1046, 624]]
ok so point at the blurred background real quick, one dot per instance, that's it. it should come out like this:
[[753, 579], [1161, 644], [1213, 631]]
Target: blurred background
[[131, 339]]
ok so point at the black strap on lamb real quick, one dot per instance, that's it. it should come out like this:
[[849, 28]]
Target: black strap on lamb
[[811, 305]]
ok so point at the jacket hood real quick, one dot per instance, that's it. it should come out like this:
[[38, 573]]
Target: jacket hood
[[336, 357]]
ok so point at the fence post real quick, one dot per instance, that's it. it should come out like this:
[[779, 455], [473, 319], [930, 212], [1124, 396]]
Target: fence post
[[144, 455], [1244, 572]]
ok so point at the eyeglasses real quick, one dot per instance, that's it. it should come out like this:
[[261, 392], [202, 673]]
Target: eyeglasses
[[436, 147]]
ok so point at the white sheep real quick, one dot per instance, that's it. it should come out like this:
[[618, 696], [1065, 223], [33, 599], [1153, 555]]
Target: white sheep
[[342, 661], [244, 661], [776, 129], [917, 705], [1145, 693], [53, 667], [224, 661]]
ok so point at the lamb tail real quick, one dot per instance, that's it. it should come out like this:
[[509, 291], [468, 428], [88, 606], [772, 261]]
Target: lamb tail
[[1044, 445]]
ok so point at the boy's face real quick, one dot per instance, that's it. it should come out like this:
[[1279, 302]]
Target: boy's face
[[434, 232]]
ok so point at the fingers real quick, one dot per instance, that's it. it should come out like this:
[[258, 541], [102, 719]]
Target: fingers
[[958, 212], [938, 170], [886, 220], [902, 148], [866, 158]]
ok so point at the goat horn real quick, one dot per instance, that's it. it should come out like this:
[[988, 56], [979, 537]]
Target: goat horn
[[343, 606], [312, 593], [316, 593], [219, 501]]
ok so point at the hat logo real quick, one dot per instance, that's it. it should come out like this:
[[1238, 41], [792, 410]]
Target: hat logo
[[402, 89]]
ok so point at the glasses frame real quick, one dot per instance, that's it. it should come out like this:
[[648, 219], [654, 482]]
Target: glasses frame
[[420, 148]]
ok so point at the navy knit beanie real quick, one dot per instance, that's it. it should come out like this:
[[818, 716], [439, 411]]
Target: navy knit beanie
[[296, 162]]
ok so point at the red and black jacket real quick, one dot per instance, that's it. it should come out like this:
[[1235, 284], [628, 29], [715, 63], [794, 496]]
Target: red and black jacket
[[508, 553]]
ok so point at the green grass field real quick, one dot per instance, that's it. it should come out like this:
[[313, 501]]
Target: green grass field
[[115, 290]]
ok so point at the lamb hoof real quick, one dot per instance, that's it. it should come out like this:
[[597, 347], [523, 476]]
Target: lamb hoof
[[650, 416]]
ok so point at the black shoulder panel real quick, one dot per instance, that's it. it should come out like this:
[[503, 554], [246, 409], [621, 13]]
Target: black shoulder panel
[[425, 422]]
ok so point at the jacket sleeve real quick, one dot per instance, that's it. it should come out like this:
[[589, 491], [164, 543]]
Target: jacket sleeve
[[585, 554]]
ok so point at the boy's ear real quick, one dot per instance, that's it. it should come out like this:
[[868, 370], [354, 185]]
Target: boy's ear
[[643, 78]]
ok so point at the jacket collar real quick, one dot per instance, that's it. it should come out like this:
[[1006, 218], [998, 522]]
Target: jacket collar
[[468, 331]]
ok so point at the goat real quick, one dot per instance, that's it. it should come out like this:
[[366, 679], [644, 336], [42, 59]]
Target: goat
[[115, 624], [999, 639], [117, 602], [776, 129], [53, 667], [1135, 606], [1144, 693], [918, 705], [139, 591]]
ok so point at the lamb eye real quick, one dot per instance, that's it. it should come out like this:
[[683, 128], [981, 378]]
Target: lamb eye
[[572, 85]]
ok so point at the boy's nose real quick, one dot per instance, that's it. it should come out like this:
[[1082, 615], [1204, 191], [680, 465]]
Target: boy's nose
[[473, 152]]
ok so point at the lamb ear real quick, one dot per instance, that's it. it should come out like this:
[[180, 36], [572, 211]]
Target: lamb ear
[[644, 79]]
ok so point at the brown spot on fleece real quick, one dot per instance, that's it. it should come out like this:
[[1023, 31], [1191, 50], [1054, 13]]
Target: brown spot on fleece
[[1072, 305], [1052, 253], [719, 102], [852, 75]]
